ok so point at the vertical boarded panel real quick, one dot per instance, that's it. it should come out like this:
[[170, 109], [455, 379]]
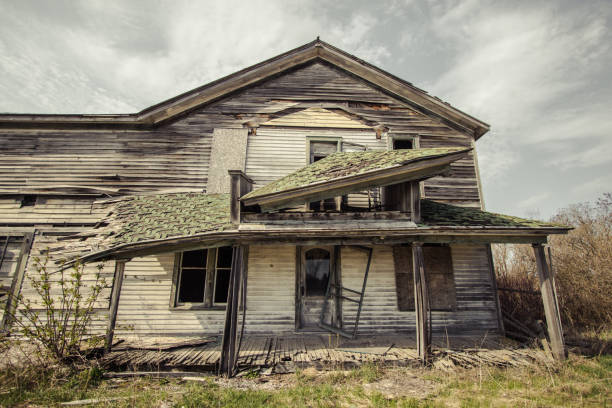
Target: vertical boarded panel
[[404, 277], [440, 282]]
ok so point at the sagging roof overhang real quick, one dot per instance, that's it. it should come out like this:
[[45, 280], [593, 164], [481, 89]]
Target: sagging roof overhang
[[138, 226], [343, 173], [314, 51]]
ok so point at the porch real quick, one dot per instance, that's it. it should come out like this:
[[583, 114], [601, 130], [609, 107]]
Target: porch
[[287, 353]]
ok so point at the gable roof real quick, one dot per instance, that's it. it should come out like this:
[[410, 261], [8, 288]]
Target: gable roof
[[345, 172], [314, 51]]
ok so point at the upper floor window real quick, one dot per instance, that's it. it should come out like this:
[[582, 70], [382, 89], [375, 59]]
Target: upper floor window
[[402, 144], [203, 276], [319, 148]]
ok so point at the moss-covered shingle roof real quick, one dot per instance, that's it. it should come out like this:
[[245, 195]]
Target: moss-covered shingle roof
[[345, 164], [155, 217], [434, 214]]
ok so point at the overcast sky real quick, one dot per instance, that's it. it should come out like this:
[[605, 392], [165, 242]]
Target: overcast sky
[[540, 73]]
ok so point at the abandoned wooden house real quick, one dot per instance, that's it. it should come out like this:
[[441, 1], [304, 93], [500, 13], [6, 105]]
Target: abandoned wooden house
[[310, 193]]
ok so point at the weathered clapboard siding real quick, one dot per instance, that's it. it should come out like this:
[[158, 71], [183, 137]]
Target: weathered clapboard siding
[[275, 152], [271, 289], [40, 246], [124, 161], [49, 210], [320, 83], [475, 304], [144, 305], [177, 155]]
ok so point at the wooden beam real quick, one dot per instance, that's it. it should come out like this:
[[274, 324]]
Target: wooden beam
[[493, 277], [415, 201], [114, 302], [551, 306], [421, 303], [228, 346], [20, 270]]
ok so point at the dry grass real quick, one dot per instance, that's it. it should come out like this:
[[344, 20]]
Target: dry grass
[[582, 262], [577, 382]]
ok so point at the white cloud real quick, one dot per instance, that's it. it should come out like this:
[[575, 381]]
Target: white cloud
[[111, 56]]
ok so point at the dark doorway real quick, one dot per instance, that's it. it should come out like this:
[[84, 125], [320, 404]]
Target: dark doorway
[[315, 270]]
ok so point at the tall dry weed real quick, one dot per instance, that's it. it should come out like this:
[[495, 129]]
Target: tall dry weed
[[581, 261]]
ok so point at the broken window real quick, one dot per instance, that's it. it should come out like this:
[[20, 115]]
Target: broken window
[[402, 144], [222, 273], [317, 267], [439, 277], [317, 151], [203, 276]]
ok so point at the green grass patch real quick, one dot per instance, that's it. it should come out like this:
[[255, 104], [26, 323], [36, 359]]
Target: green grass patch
[[577, 382]]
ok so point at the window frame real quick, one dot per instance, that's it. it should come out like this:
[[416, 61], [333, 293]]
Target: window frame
[[329, 139], [210, 283], [415, 138]]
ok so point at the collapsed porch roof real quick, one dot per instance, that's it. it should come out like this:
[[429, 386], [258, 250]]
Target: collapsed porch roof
[[141, 225], [343, 173]]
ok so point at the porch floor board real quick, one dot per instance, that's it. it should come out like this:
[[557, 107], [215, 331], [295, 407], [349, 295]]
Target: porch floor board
[[286, 353]]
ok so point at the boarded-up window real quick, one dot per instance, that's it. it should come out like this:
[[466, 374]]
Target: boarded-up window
[[404, 277], [438, 273]]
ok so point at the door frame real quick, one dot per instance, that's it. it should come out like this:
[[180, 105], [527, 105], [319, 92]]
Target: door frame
[[300, 279]]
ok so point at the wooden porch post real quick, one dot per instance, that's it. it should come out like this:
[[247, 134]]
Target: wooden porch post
[[228, 345], [551, 306], [421, 303], [114, 302]]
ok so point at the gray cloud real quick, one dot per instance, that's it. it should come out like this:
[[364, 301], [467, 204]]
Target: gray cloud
[[538, 72]]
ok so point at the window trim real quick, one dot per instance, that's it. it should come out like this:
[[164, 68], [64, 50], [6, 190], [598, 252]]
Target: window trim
[[209, 285], [415, 138], [310, 139]]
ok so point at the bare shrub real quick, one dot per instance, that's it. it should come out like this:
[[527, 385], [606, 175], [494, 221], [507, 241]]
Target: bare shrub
[[58, 314], [582, 262]]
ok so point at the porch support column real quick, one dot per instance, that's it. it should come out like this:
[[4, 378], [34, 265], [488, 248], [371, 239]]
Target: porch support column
[[421, 303], [228, 346], [114, 302], [551, 305]]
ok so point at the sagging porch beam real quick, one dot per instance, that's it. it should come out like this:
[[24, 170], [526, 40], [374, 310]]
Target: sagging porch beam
[[114, 302], [551, 305], [421, 303], [229, 351]]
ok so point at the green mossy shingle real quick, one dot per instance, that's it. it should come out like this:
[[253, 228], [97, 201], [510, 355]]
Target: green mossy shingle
[[346, 164], [142, 218], [434, 214]]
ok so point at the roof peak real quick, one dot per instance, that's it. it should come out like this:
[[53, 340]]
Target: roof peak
[[317, 50]]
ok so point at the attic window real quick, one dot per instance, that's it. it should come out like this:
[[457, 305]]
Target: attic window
[[203, 277], [402, 144]]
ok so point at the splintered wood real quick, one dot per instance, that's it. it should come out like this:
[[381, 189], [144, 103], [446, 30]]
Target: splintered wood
[[283, 354]]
